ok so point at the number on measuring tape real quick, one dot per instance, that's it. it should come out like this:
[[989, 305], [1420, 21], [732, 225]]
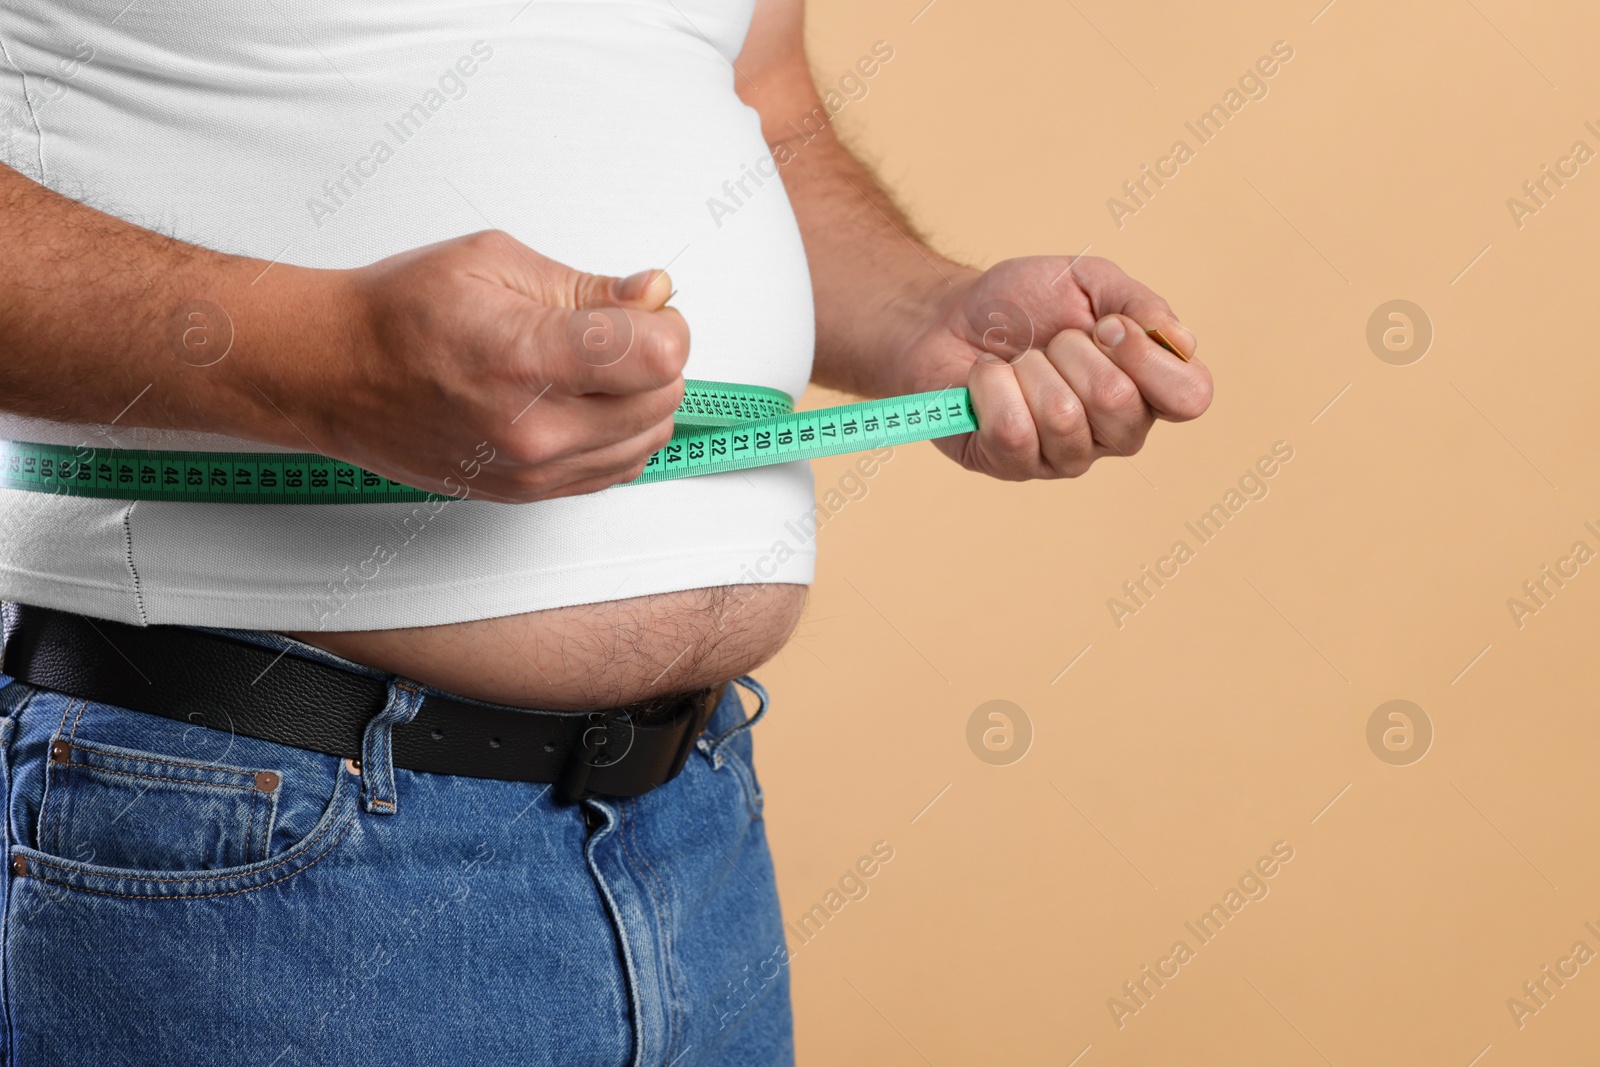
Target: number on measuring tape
[[718, 427]]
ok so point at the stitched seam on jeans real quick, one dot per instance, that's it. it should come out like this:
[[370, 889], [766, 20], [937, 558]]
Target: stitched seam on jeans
[[250, 831], [72, 736], [384, 791], [159, 778], [632, 995], [743, 769], [28, 695], [6, 835], [747, 783], [290, 858], [250, 826], [664, 928], [165, 762], [632, 864], [374, 791], [66, 797], [624, 831], [62, 725], [269, 816], [55, 824], [71, 798], [206, 896], [50, 811]]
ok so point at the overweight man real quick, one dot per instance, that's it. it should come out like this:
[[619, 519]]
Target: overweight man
[[465, 780]]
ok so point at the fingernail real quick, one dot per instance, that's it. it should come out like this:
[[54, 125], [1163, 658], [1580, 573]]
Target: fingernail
[[1110, 331], [1187, 333], [634, 286]]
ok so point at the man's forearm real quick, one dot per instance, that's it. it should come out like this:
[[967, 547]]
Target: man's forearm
[[92, 316], [872, 274], [417, 367]]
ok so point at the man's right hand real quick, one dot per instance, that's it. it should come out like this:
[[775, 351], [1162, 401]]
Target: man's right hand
[[473, 365], [478, 367]]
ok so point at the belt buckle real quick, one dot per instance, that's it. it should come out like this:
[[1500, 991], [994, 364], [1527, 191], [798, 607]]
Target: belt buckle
[[600, 735]]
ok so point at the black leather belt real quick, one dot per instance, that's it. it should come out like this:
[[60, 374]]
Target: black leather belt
[[249, 689]]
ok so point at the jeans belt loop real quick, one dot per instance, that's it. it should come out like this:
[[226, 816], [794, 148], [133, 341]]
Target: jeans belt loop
[[377, 750]]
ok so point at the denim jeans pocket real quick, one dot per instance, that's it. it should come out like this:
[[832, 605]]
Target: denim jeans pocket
[[726, 742], [127, 804], [122, 808]]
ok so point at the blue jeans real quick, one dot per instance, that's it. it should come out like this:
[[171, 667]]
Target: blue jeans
[[180, 895]]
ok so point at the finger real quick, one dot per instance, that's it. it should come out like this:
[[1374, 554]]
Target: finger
[[1117, 414], [1006, 443], [620, 337], [647, 290], [580, 472], [501, 258], [609, 350], [1176, 391], [621, 461], [1066, 440], [1111, 291], [556, 426]]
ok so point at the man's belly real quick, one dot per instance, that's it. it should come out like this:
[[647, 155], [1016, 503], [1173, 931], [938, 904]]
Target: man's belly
[[590, 655]]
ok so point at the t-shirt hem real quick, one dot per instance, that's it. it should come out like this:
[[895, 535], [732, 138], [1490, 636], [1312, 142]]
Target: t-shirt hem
[[423, 604]]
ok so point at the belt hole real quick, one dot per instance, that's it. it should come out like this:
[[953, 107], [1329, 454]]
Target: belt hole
[[549, 746], [494, 742], [438, 734]]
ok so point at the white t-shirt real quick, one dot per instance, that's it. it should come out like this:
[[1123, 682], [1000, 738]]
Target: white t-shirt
[[331, 135]]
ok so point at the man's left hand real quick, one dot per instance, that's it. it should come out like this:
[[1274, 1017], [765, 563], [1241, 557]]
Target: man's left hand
[[1061, 371]]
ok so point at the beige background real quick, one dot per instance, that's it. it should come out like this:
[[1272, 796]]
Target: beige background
[[1228, 713]]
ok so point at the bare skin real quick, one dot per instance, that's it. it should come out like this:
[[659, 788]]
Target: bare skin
[[893, 316], [592, 655]]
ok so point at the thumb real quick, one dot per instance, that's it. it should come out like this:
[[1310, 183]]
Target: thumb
[[554, 284], [624, 336], [646, 291]]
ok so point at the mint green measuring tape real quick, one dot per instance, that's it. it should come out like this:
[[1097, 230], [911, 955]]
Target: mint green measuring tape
[[718, 427]]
